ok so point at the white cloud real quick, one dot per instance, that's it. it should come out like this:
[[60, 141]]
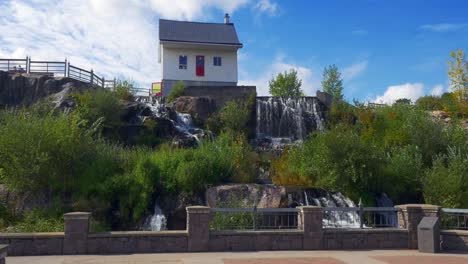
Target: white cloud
[[114, 37], [268, 7], [354, 70], [438, 90], [408, 90], [310, 82], [444, 27]]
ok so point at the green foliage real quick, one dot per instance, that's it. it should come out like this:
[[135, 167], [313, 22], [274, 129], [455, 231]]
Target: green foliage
[[341, 113], [234, 117], [332, 82], [387, 149], [458, 75], [446, 183], [123, 90], [39, 220], [230, 221], [403, 101], [100, 106], [286, 84], [429, 103], [39, 151], [177, 90]]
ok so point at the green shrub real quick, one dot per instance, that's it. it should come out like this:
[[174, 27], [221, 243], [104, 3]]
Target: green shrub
[[39, 220], [101, 106], [123, 90], [429, 103], [176, 91], [42, 151], [446, 183]]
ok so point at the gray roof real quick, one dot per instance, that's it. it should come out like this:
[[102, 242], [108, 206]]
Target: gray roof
[[197, 32]]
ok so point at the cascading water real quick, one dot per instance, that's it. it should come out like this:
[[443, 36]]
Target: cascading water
[[328, 199], [157, 221], [288, 118]]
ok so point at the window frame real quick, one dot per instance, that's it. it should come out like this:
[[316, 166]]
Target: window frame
[[183, 66], [217, 61]]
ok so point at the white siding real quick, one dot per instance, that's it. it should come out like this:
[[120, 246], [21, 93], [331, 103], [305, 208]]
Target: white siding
[[227, 72]]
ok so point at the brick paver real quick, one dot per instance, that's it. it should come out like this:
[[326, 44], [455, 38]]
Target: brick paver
[[283, 261], [261, 257], [422, 259]]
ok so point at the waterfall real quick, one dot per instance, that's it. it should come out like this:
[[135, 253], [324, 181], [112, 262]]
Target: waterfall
[[388, 218], [324, 198], [157, 221], [288, 118]]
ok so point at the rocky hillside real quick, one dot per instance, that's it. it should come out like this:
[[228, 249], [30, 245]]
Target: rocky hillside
[[27, 89]]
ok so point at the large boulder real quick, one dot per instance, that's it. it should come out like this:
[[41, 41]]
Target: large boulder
[[199, 107], [245, 195]]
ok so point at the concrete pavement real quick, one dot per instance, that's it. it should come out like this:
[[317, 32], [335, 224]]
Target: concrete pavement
[[263, 257]]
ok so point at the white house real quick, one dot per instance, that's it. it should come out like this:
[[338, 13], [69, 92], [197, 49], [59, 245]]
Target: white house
[[200, 54]]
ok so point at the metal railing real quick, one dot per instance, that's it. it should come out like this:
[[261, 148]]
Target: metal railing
[[454, 218], [254, 219], [54, 69], [14, 65], [360, 217]]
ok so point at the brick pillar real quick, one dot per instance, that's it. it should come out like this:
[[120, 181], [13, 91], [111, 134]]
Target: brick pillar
[[409, 217], [310, 220], [198, 228], [76, 232]]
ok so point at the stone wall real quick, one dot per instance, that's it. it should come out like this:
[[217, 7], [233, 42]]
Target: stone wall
[[310, 235], [338, 239], [456, 240], [136, 242], [255, 240], [33, 244]]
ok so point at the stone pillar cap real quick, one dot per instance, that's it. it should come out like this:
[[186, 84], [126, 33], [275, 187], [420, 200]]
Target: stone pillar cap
[[77, 215], [418, 206], [310, 208], [197, 208]]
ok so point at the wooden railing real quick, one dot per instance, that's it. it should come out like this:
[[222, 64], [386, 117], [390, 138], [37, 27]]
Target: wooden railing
[[55, 69]]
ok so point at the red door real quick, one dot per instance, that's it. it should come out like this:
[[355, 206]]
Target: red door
[[200, 66]]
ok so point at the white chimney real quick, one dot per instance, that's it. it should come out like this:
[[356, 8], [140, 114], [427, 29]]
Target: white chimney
[[226, 18]]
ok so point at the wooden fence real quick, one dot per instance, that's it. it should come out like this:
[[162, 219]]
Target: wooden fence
[[55, 69]]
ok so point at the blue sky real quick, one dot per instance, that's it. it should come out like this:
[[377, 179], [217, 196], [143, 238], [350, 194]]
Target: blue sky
[[385, 49]]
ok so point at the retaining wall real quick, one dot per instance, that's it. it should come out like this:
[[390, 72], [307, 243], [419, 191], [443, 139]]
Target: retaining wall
[[310, 235], [454, 240]]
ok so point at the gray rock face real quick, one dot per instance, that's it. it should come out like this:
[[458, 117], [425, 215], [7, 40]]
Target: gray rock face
[[199, 107], [27, 89], [244, 195]]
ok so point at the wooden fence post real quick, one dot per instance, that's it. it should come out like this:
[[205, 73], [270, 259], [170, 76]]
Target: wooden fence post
[[92, 76]]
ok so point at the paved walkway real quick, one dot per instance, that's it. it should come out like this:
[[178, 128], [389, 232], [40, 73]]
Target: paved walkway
[[264, 257]]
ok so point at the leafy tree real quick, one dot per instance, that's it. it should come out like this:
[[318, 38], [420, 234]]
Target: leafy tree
[[429, 103], [458, 74], [286, 84], [405, 101], [332, 82]]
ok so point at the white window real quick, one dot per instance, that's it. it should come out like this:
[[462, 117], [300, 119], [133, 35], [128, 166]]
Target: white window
[[217, 61], [183, 62]]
